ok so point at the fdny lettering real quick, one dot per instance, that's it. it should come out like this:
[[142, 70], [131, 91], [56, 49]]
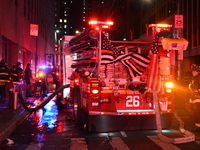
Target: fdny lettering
[[132, 101]]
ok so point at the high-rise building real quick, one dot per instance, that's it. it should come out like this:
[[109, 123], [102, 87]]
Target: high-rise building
[[68, 18], [73, 16]]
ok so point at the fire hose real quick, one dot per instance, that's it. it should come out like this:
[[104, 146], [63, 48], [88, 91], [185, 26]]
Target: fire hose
[[187, 136], [45, 101]]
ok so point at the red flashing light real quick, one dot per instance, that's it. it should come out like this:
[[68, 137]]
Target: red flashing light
[[105, 27], [160, 25], [92, 22], [100, 24]]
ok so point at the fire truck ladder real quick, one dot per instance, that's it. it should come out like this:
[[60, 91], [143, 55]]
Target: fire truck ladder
[[188, 136]]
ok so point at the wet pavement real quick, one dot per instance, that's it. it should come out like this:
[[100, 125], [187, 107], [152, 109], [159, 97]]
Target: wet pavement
[[47, 128], [54, 129], [10, 118]]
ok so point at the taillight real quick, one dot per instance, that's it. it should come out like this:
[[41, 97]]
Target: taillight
[[169, 87], [168, 90], [95, 85], [76, 81], [95, 91]]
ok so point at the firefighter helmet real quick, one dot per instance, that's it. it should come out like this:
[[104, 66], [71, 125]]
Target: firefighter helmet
[[19, 63]]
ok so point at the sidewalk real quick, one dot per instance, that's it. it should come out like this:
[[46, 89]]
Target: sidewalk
[[10, 119]]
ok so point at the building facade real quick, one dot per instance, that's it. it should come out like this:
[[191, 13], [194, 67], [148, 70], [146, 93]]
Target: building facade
[[16, 42]]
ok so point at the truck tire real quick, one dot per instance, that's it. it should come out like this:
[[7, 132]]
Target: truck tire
[[77, 106]]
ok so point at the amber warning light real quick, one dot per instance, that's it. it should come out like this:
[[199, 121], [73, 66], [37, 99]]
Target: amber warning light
[[100, 24]]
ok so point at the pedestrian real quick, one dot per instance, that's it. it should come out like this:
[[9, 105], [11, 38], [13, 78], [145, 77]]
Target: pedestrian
[[4, 80], [194, 87], [28, 79]]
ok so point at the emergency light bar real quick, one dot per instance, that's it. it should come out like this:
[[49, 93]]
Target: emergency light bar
[[161, 25], [101, 24]]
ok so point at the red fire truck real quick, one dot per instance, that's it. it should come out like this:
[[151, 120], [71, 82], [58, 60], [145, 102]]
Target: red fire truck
[[110, 80]]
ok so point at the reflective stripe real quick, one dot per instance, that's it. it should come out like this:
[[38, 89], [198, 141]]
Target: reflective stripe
[[4, 81], [4, 73], [136, 110]]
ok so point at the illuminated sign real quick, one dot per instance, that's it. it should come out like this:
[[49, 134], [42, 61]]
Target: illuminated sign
[[34, 29], [178, 21]]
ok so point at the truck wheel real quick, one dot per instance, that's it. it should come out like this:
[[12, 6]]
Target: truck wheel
[[77, 106]]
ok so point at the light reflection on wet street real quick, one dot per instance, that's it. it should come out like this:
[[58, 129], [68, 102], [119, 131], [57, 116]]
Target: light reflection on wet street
[[53, 129], [46, 116], [48, 128]]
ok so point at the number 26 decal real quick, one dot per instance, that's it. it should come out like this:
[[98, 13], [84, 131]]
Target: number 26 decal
[[132, 101]]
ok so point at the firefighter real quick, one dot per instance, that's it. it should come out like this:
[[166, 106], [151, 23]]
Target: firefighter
[[194, 87], [4, 79], [28, 79], [14, 82], [13, 74]]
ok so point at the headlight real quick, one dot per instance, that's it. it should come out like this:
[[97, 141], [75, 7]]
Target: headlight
[[169, 86]]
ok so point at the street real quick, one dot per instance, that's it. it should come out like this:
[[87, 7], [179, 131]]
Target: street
[[53, 129]]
